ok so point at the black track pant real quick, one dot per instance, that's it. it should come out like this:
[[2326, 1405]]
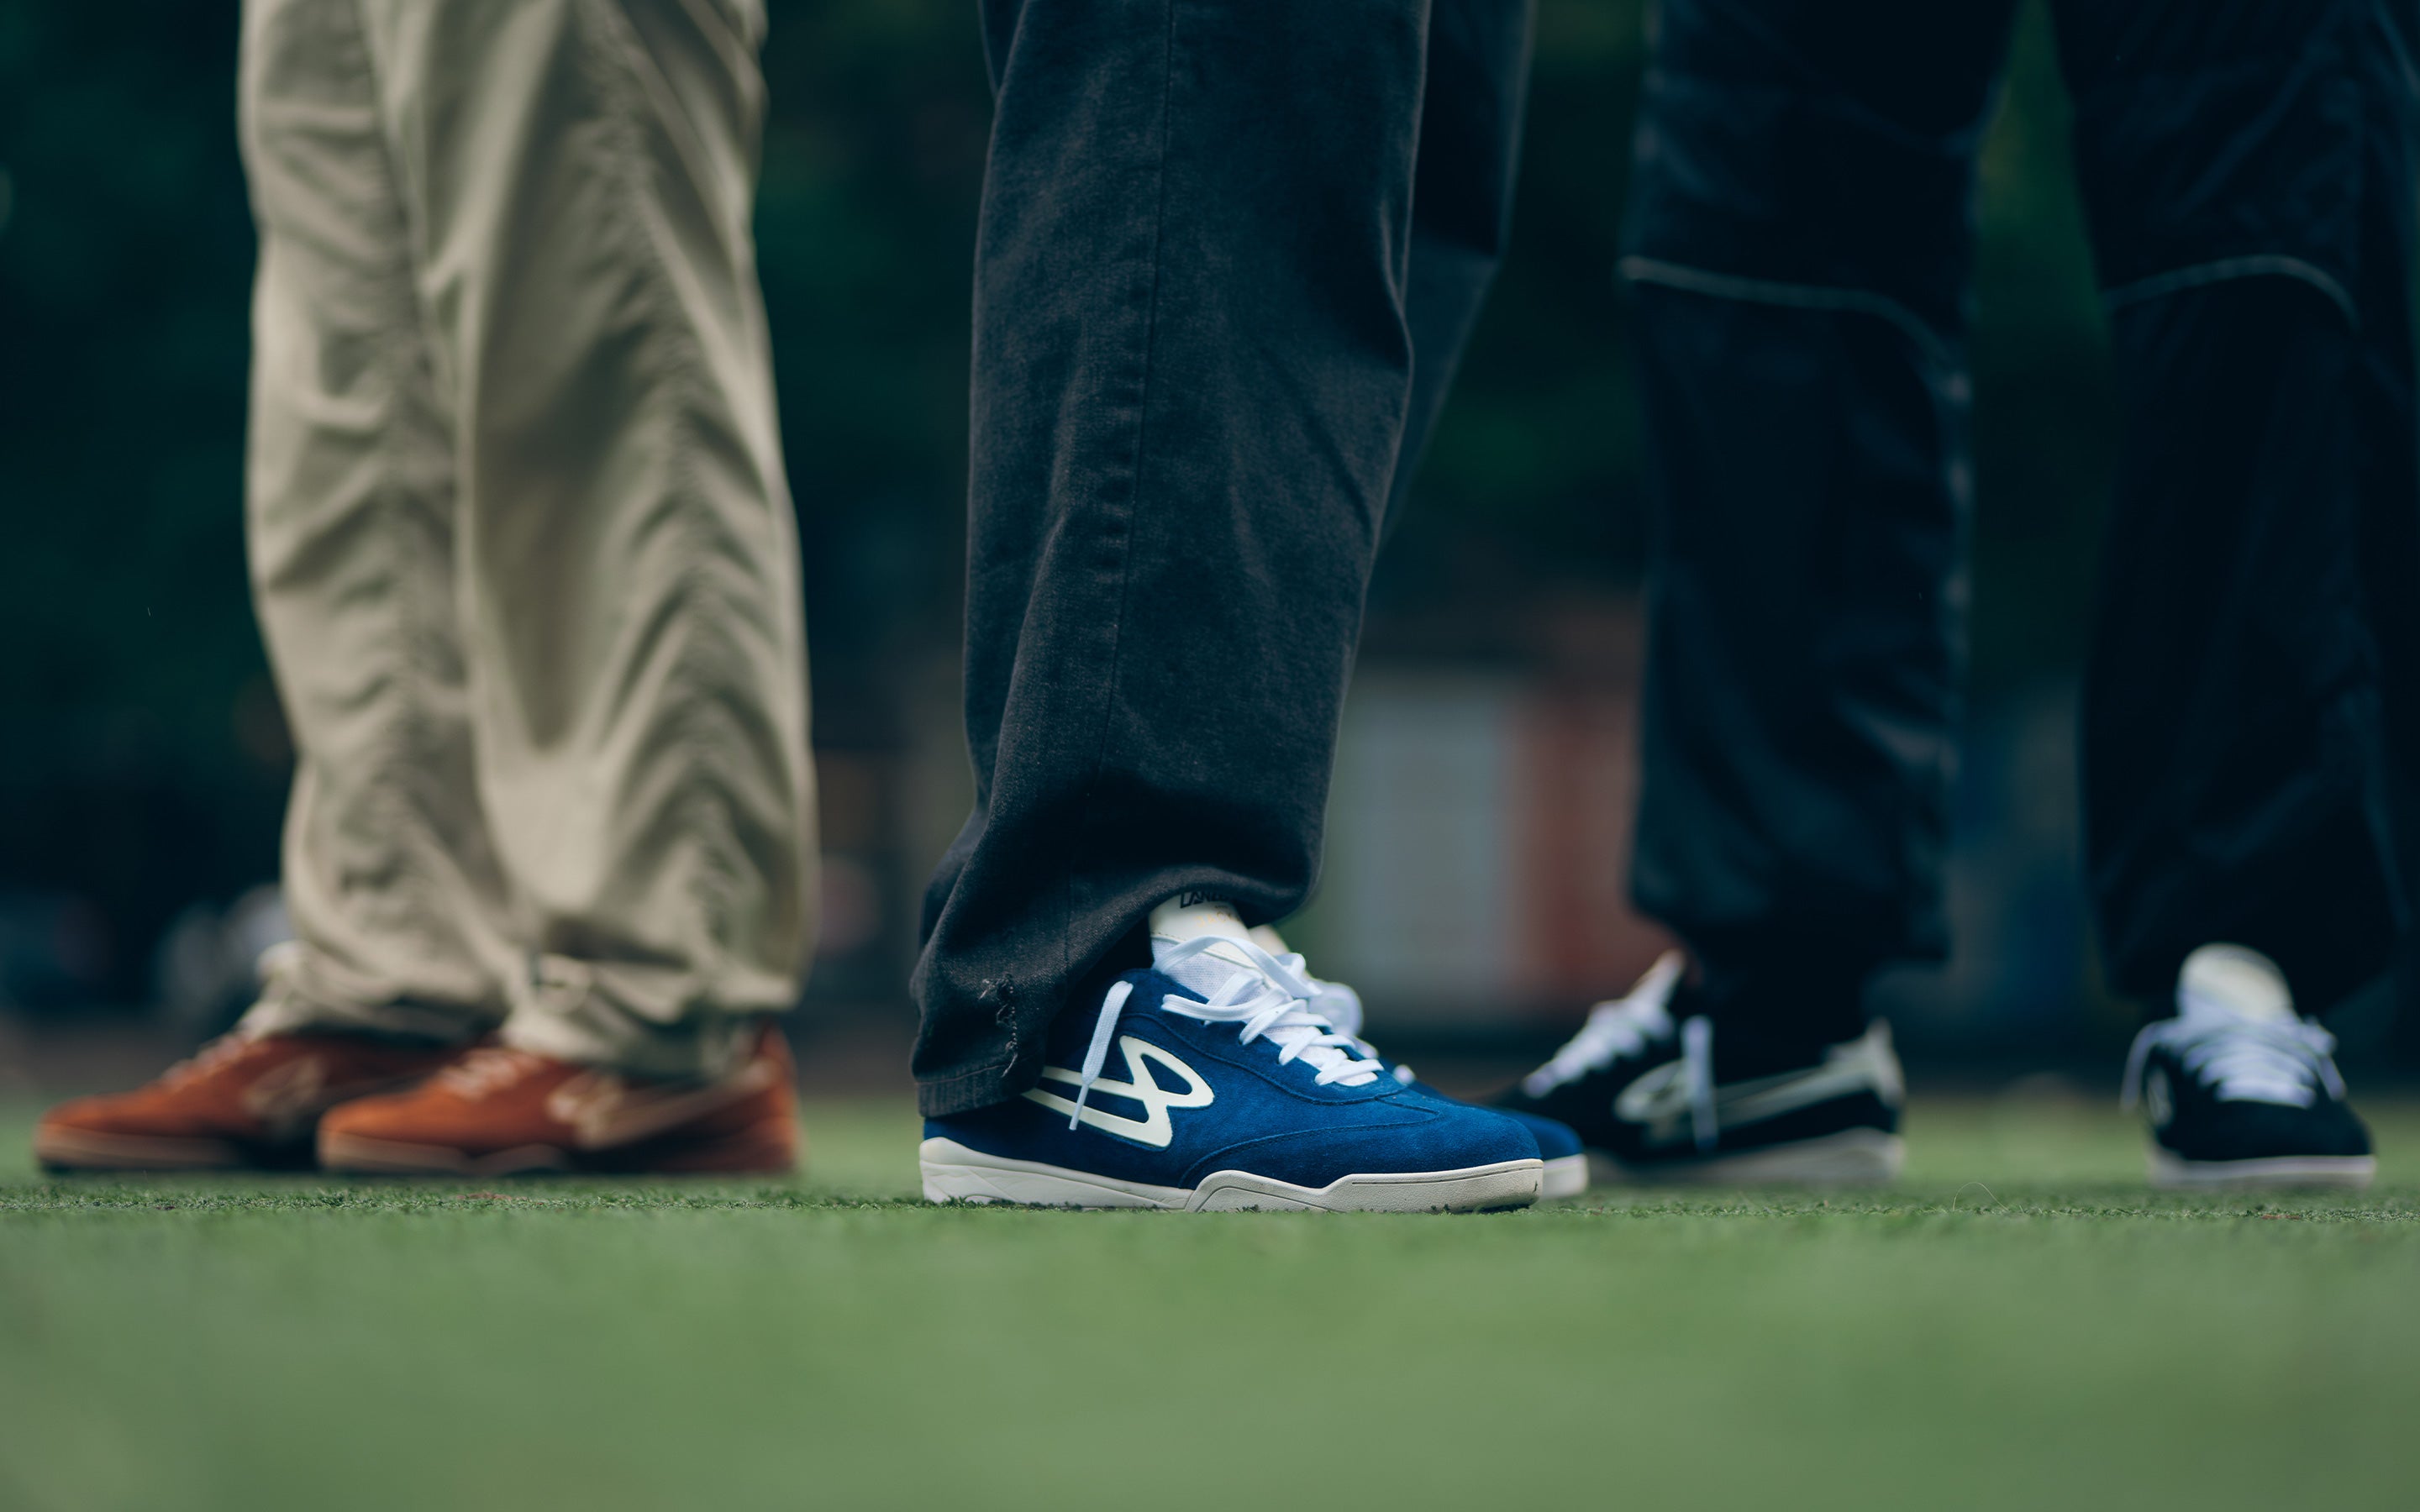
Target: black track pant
[[1799, 248], [1228, 256]]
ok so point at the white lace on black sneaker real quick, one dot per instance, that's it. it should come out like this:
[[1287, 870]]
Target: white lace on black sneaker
[[2242, 1060], [2236, 1031], [1265, 999], [1623, 1027], [1626, 1026]]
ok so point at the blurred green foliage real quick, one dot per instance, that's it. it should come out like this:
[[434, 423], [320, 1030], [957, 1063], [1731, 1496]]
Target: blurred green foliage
[[141, 759]]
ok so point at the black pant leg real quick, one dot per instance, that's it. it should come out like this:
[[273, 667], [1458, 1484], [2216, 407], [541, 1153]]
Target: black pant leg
[[2388, 400], [1190, 375], [1462, 198], [2247, 168], [1798, 247]]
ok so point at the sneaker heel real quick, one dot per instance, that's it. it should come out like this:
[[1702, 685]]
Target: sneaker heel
[[770, 1146]]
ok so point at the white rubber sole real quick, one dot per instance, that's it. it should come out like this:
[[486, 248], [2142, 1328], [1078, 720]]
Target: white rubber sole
[[953, 1173], [2335, 1172], [1852, 1157], [1566, 1177]]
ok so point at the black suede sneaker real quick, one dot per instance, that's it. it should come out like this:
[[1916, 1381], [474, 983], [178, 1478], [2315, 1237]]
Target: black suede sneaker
[[2238, 1089], [1639, 1084]]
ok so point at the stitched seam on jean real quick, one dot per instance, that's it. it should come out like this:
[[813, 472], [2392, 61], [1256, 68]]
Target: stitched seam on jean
[[1792, 296], [2228, 270], [1135, 467], [678, 366]]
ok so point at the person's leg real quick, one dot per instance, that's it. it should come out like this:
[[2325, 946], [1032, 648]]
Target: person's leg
[[1462, 200], [579, 181], [2387, 406], [390, 874], [1798, 244], [1799, 235], [2248, 170], [1190, 375], [390, 878]]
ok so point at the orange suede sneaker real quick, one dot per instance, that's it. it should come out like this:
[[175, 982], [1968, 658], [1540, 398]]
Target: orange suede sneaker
[[243, 1102], [497, 1111]]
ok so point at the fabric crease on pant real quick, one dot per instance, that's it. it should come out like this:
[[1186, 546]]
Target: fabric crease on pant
[[2249, 710], [521, 544]]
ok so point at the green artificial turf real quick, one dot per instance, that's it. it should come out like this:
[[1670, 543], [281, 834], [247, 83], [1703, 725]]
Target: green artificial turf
[[2020, 1325]]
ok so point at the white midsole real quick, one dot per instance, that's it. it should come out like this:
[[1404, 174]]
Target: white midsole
[[1566, 1176], [954, 1173], [2346, 1171], [1852, 1157]]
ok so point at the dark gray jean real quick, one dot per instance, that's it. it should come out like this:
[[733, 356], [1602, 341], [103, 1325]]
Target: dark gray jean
[[1229, 253]]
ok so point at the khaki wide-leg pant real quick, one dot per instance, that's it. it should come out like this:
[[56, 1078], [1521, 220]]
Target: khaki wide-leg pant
[[521, 543]]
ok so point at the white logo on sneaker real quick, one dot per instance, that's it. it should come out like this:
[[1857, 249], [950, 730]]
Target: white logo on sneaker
[[1156, 1130], [2159, 1102]]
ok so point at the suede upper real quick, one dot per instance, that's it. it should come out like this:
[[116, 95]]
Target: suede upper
[[1240, 1109], [260, 1096]]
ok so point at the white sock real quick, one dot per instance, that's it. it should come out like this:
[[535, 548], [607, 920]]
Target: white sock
[[1191, 916], [2230, 981]]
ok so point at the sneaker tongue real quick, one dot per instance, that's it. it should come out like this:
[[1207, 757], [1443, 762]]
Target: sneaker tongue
[[1190, 917], [2232, 982]]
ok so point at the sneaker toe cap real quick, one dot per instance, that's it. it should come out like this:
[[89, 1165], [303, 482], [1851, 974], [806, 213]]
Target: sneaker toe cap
[[1556, 1141], [2265, 1131], [126, 1113]]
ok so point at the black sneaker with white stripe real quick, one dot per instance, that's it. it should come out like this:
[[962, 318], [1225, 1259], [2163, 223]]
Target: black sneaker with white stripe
[[2238, 1089], [1639, 1084]]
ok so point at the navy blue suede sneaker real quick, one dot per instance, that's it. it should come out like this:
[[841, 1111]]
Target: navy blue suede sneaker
[[1560, 1147], [1231, 1092]]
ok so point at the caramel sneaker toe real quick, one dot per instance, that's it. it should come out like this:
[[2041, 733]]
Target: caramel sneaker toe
[[245, 1102], [499, 1111]]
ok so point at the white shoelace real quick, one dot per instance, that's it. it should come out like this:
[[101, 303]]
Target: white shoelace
[[1340, 1006], [2282, 1061], [1623, 1026], [1270, 1000], [1626, 1026]]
